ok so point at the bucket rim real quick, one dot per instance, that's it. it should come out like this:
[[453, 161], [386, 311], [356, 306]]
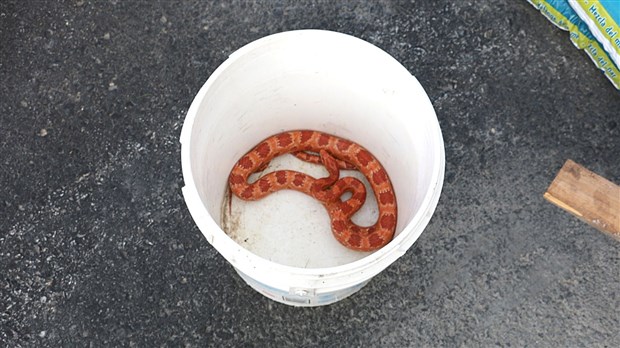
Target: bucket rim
[[263, 269]]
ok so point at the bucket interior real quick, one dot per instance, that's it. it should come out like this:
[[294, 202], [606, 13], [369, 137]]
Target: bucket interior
[[347, 88]]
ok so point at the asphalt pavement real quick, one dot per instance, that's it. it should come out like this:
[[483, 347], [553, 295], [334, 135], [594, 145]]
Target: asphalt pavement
[[97, 247]]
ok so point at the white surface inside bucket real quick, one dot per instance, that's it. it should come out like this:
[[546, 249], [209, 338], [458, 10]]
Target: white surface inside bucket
[[292, 228], [343, 86]]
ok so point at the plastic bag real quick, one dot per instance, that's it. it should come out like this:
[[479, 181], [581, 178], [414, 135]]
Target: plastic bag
[[562, 14]]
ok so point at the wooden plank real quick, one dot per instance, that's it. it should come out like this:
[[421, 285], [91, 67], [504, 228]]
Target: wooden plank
[[588, 196]]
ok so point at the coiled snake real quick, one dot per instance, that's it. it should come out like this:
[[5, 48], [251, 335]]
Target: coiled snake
[[334, 153]]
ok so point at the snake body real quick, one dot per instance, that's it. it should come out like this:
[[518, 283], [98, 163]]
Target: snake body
[[334, 153]]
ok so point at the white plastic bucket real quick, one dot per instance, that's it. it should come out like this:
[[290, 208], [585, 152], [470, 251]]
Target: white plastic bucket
[[282, 245]]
